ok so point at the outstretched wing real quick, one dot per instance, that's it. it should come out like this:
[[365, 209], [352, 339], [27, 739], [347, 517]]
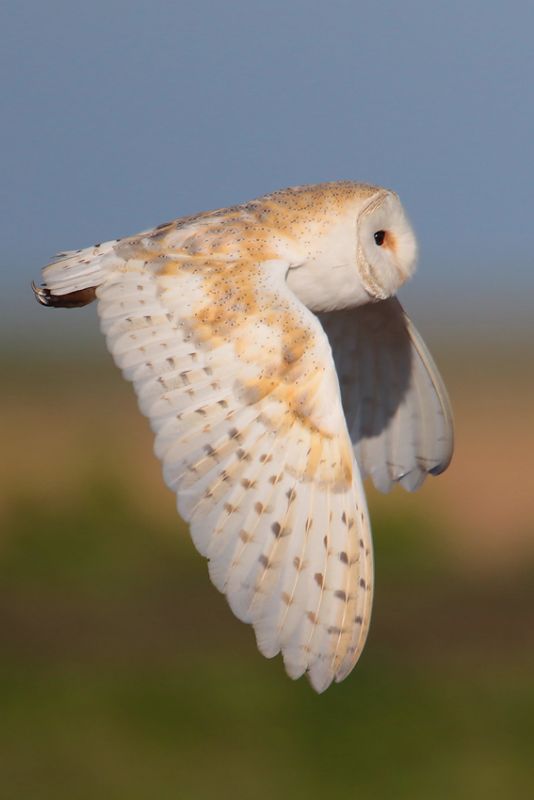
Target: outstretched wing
[[237, 379], [396, 404]]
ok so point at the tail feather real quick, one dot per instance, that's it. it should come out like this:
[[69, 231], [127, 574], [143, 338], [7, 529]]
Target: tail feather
[[71, 279]]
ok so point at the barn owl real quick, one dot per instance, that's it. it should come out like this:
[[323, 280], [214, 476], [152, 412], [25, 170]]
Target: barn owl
[[277, 370]]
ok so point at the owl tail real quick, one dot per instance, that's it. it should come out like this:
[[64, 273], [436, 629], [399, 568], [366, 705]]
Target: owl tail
[[72, 278]]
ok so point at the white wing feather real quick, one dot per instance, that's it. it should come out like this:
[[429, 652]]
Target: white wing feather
[[250, 429], [398, 412]]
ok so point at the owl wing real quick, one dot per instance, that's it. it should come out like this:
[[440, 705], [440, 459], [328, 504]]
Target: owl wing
[[397, 408], [237, 379]]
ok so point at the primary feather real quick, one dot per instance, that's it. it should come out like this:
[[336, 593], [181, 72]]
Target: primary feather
[[397, 409]]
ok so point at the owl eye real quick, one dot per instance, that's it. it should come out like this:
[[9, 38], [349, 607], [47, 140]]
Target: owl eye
[[379, 237]]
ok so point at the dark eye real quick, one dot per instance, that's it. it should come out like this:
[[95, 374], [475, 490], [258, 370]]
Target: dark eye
[[379, 237]]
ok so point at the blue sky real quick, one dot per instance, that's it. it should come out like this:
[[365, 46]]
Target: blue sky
[[120, 115]]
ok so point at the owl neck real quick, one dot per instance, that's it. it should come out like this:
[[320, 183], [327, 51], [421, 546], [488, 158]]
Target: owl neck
[[330, 287]]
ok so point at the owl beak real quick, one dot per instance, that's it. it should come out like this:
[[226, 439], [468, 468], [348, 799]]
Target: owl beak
[[369, 278]]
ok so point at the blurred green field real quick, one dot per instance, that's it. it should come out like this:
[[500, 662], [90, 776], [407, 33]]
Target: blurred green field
[[123, 674]]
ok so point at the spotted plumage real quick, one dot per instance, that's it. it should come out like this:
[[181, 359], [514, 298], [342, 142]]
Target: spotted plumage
[[213, 318]]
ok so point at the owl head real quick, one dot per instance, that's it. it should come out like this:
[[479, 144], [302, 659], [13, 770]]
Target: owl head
[[386, 248], [349, 243]]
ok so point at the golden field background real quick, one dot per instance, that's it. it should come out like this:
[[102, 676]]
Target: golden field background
[[124, 674], [63, 415]]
